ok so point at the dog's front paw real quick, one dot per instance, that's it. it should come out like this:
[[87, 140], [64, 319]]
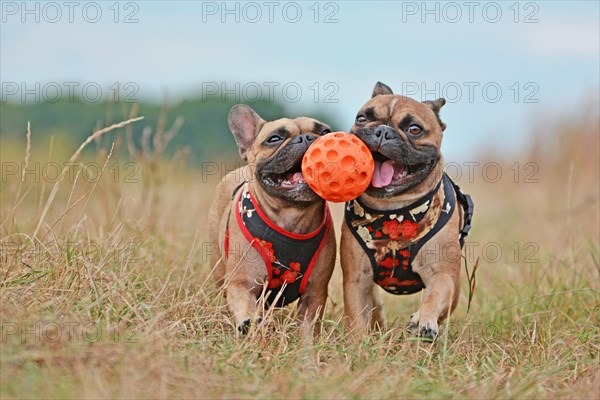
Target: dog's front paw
[[244, 327], [429, 332], [412, 327]]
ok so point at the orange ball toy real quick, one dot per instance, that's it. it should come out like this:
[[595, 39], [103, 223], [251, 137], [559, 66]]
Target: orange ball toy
[[338, 166]]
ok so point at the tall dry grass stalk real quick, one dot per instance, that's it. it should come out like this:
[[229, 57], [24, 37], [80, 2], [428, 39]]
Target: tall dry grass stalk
[[26, 165], [149, 156], [75, 155]]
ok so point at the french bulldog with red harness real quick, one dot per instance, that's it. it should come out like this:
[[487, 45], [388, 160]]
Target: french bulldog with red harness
[[273, 232]]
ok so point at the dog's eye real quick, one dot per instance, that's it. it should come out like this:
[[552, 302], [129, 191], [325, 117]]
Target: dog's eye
[[325, 132], [361, 119], [414, 129], [274, 139]]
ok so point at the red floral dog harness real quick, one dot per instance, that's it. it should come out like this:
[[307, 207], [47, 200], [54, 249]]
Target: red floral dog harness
[[393, 238], [289, 257]]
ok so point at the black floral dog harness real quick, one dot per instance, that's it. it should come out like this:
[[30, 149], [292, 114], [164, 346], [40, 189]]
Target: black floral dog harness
[[393, 238], [289, 257]]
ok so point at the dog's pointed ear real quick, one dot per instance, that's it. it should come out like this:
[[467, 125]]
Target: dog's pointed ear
[[245, 124], [436, 105], [381, 88]]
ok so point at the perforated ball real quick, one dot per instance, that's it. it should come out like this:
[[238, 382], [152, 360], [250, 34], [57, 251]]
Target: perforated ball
[[338, 166]]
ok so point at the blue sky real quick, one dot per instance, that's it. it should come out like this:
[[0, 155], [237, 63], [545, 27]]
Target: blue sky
[[429, 49]]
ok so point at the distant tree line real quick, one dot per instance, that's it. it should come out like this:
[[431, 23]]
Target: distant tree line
[[204, 131]]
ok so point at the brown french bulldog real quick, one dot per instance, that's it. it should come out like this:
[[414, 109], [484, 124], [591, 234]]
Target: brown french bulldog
[[402, 233], [271, 229]]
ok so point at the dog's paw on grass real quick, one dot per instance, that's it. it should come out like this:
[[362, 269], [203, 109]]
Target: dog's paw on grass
[[425, 332]]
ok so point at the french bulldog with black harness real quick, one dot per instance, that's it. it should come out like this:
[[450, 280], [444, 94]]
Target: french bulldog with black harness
[[405, 232]]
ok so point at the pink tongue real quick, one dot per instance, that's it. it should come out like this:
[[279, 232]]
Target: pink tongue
[[296, 177], [383, 174]]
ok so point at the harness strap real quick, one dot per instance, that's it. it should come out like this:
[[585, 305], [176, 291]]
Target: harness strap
[[467, 204]]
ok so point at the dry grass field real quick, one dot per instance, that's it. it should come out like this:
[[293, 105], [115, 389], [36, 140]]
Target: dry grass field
[[106, 289]]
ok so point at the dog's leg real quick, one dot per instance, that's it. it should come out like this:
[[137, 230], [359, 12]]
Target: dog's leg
[[312, 302], [358, 305], [358, 286], [378, 321], [310, 313], [241, 301], [441, 297]]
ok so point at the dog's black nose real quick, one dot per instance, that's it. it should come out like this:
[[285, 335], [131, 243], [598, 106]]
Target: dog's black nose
[[305, 138], [384, 131]]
